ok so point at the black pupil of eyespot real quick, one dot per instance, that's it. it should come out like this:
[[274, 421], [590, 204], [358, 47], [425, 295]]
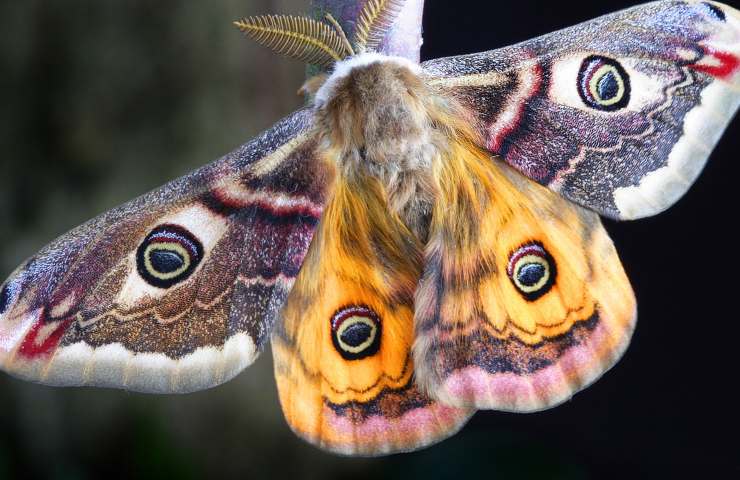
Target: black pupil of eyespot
[[4, 299], [166, 261], [607, 86], [531, 273], [356, 334]]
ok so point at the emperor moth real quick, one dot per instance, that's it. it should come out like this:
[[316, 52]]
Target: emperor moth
[[389, 238]]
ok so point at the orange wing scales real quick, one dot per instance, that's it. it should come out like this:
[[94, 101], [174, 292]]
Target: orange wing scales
[[523, 300], [340, 386]]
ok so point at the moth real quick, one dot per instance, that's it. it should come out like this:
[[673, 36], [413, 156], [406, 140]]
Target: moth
[[419, 242]]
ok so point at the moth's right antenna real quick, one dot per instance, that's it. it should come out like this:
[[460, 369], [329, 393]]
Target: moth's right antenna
[[376, 18]]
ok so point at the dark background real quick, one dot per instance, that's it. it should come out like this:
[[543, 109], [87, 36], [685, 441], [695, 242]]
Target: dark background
[[103, 100]]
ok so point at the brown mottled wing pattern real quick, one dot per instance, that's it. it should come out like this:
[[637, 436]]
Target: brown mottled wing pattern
[[618, 114], [177, 290]]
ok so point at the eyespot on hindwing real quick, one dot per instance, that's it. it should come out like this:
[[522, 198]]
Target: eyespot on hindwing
[[356, 332], [532, 270]]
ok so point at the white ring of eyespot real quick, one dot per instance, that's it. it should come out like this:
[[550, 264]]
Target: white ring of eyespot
[[172, 247], [594, 83], [527, 260], [354, 320]]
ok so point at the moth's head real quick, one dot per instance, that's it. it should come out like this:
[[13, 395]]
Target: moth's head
[[372, 105], [368, 105]]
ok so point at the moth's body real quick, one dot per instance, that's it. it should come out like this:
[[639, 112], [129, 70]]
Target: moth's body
[[422, 242], [378, 119]]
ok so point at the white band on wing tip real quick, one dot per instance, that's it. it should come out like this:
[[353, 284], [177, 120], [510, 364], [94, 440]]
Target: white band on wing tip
[[703, 126]]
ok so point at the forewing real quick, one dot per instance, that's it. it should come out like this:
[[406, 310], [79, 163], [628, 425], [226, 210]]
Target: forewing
[[618, 114], [177, 290]]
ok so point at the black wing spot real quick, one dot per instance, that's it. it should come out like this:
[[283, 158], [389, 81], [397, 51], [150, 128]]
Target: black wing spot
[[5, 295], [715, 11]]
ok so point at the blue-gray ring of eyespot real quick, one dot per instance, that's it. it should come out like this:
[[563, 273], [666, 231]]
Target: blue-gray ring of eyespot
[[168, 255]]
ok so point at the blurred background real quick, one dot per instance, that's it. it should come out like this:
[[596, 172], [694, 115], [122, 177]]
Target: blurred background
[[104, 100]]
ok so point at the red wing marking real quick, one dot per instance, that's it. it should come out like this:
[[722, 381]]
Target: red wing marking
[[44, 337], [717, 64], [530, 82]]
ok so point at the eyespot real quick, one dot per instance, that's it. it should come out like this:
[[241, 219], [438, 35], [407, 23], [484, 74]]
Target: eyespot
[[603, 84], [532, 270], [355, 332], [715, 11], [168, 256]]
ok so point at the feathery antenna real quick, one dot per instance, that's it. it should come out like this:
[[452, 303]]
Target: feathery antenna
[[376, 18], [301, 38], [320, 43], [340, 31]]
